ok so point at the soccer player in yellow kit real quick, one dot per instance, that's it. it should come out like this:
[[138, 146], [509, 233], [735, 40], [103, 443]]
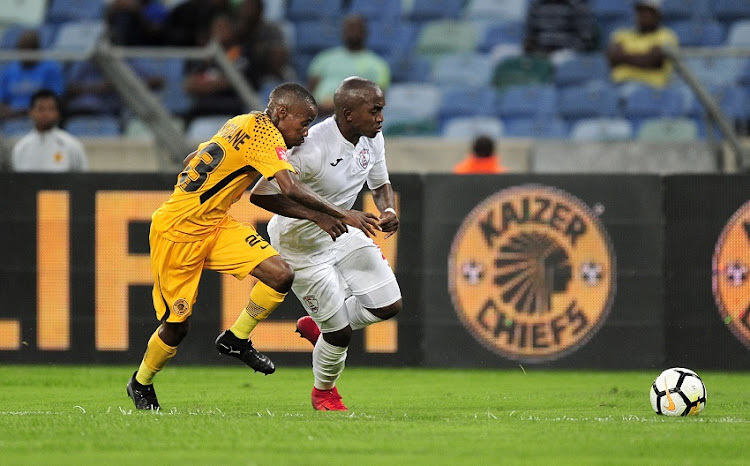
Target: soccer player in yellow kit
[[192, 231]]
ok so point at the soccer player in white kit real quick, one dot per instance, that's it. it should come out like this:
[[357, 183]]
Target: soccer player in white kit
[[344, 284]]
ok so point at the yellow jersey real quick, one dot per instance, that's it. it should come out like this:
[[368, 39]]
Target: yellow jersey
[[246, 147], [633, 41]]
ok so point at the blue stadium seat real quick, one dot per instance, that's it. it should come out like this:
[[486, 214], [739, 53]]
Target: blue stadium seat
[[505, 32], [581, 68], [79, 36], [447, 36], [409, 68], [313, 36], [172, 95], [10, 36], [472, 126], [733, 99], [743, 76], [93, 126], [528, 101], [739, 33], [15, 127], [377, 10], [590, 100], [428, 10], [391, 37], [470, 69], [204, 127], [412, 100], [609, 10], [310, 10], [715, 71], [699, 32], [664, 129], [731, 10], [646, 102], [675, 10], [547, 128], [508, 10], [601, 130], [467, 101], [26, 12], [61, 11], [300, 63]]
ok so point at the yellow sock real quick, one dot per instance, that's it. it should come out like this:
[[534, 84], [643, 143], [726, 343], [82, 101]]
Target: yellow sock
[[157, 356], [263, 301]]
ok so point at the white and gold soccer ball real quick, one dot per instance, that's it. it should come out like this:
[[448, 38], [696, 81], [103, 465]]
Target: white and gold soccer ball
[[678, 392]]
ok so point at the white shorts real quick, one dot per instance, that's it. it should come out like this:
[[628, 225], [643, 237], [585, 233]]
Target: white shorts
[[355, 267]]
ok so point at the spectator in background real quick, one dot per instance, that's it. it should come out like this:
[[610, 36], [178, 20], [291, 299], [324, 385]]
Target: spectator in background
[[554, 26], [331, 66], [47, 148], [189, 23], [136, 22], [21, 79], [638, 54], [263, 45], [210, 90], [482, 159]]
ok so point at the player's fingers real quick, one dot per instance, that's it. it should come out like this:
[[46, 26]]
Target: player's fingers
[[389, 234]]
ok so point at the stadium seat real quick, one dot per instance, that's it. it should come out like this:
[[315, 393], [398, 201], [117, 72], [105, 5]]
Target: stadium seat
[[93, 126], [417, 101], [716, 71], [528, 101], [414, 128], [590, 100], [505, 32], [136, 128], [172, 95], [429, 10], [731, 10], [581, 68], [524, 69], [446, 36], [601, 130], [313, 36], [311, 10], [739, 33], [469, 69], [409, 68], [508, 10], [612, 10], [377, 10], [743, 76], [61, 11], [203, 128], [699, 33], [10, 36], [274, 10], [15, 127], [391, 37], [668, 130], [467, 101], [548, 128], [645, 102], [733, 101], [26, 13], [78, 36], [472, 126], [675, 10]]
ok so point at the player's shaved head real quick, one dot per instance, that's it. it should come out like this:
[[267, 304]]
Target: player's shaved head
[[289, 94], [354, 91]]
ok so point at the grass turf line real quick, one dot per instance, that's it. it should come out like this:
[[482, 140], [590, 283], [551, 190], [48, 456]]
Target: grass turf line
[[81, 415]]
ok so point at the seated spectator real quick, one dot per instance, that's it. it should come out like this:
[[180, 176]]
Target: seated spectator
[[136, 22], [329, 67], [554, 26], [263, 45], [481, 159], [637, 55], [47, 148], [189, 23], [20, 79], [210, 90]]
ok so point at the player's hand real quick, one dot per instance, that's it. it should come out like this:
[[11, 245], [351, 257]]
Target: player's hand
[[331, 225], [365, 221], [388, 222]]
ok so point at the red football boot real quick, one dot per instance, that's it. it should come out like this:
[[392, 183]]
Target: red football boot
[[327, 400], [308, 329]]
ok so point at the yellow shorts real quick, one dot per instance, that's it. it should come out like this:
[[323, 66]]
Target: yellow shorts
[[234, 248]]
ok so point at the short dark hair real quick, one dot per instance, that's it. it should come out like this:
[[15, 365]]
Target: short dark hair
[[285, 93], [45, 94], [483, 146]]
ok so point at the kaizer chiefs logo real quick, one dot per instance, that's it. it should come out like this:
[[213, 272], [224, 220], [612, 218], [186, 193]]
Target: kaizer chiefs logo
[[730, 274], [532, 273]]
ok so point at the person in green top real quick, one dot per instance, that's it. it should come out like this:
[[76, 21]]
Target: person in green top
[[331, 66]]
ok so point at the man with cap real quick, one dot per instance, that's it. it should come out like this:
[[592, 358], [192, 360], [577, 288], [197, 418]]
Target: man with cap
[[638, 54]]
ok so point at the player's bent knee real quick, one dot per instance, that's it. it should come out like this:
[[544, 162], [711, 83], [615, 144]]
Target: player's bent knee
[[389, 311], [172, 333], [339, 337], [276, 273]]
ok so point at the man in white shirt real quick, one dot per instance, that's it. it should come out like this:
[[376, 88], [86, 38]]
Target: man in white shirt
[[344, 284], [47, 148]]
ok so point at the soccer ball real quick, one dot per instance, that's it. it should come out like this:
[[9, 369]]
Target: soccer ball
[[678, 392]]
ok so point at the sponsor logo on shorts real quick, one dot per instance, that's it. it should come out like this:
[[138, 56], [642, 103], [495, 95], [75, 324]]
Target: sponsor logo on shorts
[[311, 303], [731, 262], [181, 307], [281, 153], [532, 273]]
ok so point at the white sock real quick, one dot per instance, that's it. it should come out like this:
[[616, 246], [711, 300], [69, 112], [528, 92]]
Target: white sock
[[359, 317], [328, 363]]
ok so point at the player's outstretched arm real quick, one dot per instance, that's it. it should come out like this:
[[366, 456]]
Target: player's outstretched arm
[[282, 205], [299, 192]]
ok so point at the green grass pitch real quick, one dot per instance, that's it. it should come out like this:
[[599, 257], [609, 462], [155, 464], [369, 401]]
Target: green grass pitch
[[81, 415]]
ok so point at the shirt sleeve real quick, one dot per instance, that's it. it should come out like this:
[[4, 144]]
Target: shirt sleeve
[[266, 151], [266, 188], [378, 175]]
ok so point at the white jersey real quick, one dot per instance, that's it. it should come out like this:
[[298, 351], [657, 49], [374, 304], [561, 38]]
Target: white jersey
[[49, 151], [336, 170]]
